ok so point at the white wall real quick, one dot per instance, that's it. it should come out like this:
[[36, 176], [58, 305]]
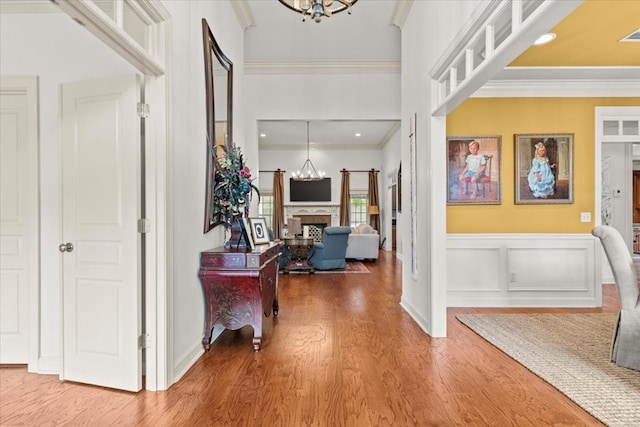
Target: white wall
[[390, 164], [59, 51], [428, 30], [331, 161], [188, 117], [343, 96]]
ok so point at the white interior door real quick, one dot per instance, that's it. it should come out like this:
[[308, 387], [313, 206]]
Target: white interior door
[[101, 205], [18, 215]]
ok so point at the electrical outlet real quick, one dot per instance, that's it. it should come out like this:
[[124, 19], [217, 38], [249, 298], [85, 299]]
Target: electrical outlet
[[585, 216]]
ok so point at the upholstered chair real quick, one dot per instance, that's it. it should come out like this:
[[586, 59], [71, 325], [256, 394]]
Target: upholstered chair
[[330, 253], [625, 349]]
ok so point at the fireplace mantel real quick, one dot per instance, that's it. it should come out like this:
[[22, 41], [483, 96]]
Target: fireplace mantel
[[314, 210]]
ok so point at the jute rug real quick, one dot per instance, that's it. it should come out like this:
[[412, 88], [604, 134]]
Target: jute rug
[[570, 352]]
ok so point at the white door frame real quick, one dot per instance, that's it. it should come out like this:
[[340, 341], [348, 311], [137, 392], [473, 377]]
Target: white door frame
[[603, 114], [158, 373]]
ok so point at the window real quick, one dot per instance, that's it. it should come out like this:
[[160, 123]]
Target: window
[[358, 208], [265, 208]]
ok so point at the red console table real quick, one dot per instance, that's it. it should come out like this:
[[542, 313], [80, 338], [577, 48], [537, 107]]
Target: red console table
[[238, 288]]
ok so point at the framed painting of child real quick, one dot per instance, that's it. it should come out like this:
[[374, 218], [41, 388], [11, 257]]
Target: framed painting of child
[[473, 170], [544, 168]]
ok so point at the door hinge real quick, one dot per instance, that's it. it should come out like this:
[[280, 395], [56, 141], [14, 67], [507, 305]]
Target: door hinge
[[143, 110], [143, 226], [144, 341]]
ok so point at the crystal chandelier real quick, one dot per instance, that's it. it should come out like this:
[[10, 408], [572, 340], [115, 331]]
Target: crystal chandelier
[[318, 8], [308, 172]]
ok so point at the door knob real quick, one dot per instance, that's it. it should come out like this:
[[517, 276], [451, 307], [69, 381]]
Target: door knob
[[66, 247]]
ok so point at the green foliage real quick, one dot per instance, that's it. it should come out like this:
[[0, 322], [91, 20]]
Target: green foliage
[[233, 185]]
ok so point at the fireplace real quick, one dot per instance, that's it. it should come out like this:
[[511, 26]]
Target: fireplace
[[317, 220], [318, 215], [316, 224]]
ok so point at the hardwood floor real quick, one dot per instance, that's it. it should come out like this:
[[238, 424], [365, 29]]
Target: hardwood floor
[[342, 352]]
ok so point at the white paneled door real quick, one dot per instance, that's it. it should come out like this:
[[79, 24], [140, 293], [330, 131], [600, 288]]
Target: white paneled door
[[18, 215], [100, 247]]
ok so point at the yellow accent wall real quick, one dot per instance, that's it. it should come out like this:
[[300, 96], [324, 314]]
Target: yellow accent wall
[[509, 116]]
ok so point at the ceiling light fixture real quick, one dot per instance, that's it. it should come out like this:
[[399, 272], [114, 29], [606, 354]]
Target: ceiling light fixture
[[308, 171], [544, 39], [318, 8]]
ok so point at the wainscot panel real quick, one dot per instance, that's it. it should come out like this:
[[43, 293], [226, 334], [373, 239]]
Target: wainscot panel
[[523, 270]]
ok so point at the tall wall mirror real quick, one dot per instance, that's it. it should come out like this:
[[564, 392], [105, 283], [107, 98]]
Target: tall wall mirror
[[218, 73]]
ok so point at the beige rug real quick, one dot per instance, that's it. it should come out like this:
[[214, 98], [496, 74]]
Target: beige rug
[[570, 352]]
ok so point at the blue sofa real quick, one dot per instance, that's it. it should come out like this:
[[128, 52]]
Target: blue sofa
[[330, 253]]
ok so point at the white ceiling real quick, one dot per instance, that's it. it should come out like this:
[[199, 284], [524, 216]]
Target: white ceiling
[[278, 34], [292, 134], [366, 36]]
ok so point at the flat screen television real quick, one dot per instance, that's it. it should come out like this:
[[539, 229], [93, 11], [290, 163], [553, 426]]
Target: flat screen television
[[310, 191]]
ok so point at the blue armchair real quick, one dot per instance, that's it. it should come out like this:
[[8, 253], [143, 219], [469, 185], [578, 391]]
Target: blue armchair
[[330, 253]]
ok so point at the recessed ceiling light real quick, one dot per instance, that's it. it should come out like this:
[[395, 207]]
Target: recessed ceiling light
[[358, 134], [263, 135], [544, 39]]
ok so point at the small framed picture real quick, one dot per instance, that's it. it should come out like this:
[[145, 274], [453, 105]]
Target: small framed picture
[[246, 233], [473, 170], [259, 230], [544, 168]]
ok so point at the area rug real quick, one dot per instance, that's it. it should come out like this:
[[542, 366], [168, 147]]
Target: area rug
[[570, 352], [351, 267]]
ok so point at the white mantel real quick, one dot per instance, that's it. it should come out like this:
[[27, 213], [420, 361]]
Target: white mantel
[[314, 209]]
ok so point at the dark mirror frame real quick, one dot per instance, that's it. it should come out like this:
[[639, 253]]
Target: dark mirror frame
[[215, 60]]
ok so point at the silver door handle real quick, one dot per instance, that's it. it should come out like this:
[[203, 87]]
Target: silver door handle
[[66, 247]]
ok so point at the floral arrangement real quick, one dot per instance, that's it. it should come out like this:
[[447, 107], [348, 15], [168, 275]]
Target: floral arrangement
[[233, 186]]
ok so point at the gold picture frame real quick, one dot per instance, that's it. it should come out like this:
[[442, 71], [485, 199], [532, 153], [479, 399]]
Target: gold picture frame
[[466, 186], [547, 179]]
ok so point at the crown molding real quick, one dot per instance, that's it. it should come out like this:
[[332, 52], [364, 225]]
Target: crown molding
[[559, 88], [401, 12], [322, 147], [322, 67], [569, 73], [28, 6], [563, 81], [244, 13], [394, 129]]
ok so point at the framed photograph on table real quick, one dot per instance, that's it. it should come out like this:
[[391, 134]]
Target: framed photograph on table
[[259, 230], [246, 233], [544, 168], [474, 170]]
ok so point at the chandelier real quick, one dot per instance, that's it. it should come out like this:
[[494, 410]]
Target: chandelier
[[318, 8], [308, 172]]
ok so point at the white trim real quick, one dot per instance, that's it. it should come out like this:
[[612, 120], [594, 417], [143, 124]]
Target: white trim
[[504, 275], [27, 6], [548, 14], [604, 274], [559, 88], [100, 25], [401, 12], [244, 13], [322, 67]]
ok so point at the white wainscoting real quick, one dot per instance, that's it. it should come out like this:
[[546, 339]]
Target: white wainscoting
[[523, 270]]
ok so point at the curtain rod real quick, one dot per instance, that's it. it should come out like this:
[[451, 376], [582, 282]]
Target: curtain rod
[[370, 170], [343, 170], [279, 170]]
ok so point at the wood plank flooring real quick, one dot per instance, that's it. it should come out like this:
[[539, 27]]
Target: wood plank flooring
[[342, 352]]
